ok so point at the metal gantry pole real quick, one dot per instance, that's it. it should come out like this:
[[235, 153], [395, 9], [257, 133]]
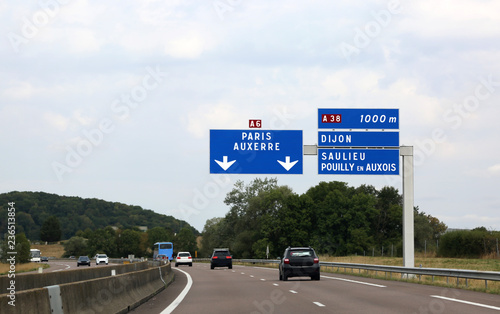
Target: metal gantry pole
[[408, 204]]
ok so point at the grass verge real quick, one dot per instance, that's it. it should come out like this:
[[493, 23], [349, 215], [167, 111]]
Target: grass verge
[[21, 268]]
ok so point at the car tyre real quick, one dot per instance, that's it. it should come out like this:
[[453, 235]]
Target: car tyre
[[176, 265], [190, 264], [212, 267], [230, 267], [285, 277]]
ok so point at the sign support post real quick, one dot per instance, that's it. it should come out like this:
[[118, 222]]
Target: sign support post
[[408, 203]]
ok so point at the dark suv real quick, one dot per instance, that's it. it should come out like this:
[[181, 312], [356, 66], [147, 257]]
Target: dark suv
[[299, 262], [221, 258]]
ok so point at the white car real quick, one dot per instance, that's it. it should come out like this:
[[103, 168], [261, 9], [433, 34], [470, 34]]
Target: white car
[[101, 258], [183, 258]]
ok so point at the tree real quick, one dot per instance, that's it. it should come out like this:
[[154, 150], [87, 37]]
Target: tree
[[51, 230], [129, 242], [102, 241], [159, 234], [185, 241], [75, 246], [22, 249]]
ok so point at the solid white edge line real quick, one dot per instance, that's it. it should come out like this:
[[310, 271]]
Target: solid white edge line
[[181, 296], [354, 281], [467, 302]]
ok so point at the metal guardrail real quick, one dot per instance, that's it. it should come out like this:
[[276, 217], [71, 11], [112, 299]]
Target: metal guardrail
[[405, 272]]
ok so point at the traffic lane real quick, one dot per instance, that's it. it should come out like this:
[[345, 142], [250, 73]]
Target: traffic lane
[[222, 290], [258, 290], [163, 299], [344, 294], [61, 265]]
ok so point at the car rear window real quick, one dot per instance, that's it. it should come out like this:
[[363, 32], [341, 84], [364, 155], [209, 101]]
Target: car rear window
[[302, 253], [184, 254], [221, 253]]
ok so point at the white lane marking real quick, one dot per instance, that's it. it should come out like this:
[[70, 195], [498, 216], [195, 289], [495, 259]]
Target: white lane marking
[[242, 273], [181, 296], [251, 276], [262, 279], [275, 284], [292, 291], [319, 304], [354, 281], [67, 267], [467, 302]]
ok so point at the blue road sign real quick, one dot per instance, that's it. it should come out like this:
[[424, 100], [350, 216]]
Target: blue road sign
[[358, 139], [358, 161], [358, 119], [256, 151]]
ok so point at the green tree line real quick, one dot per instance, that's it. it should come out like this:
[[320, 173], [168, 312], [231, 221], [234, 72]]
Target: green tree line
[[33, 209], [332, 217], [121, 243]]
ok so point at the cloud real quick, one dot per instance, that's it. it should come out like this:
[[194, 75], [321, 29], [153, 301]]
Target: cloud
[[494, 170], [57, 121], [208, 116]]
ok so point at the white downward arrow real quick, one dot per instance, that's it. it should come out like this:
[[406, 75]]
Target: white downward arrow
[[287, 164], [224, 164]]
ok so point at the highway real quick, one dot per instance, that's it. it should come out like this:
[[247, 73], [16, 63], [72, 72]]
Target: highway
[[258, 290]]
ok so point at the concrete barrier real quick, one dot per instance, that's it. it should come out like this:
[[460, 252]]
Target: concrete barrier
[[114, 294], [37, 280]]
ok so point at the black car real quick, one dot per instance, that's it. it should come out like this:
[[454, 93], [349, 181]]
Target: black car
[[44, 259], [83, 260], [299, 262], [221, 258]]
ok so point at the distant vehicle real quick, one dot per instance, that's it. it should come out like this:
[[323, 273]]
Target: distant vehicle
[[299, 262], [161, 257], [101, 258], [44, 259], [71, 257], [183, 258], [35, 255], [221, 258], [164, 248], [83, 260]]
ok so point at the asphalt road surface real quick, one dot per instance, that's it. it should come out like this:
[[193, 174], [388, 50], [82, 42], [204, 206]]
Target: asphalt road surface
[[258, 290], [60, 265]]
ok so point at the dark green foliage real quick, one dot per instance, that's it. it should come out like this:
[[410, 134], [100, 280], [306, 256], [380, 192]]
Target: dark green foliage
[[22, 249], [332, 217], [76, 246], [185, 241], [129, 242], [51, 230], [102, 241], [75, 213], [468, 243]]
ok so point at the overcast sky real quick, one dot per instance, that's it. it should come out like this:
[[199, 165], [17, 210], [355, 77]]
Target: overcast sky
[[114, 100]]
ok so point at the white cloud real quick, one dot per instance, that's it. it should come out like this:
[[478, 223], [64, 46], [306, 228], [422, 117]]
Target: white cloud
[[208, 116], [494, 170], [57, 121]]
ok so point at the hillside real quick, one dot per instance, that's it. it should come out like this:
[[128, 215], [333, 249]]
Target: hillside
[[75, 213]]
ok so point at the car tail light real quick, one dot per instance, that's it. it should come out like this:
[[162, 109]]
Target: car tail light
[[316, 260], [215, 257], [189, 257], [286, 261], [229, 257], [178, 257]]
